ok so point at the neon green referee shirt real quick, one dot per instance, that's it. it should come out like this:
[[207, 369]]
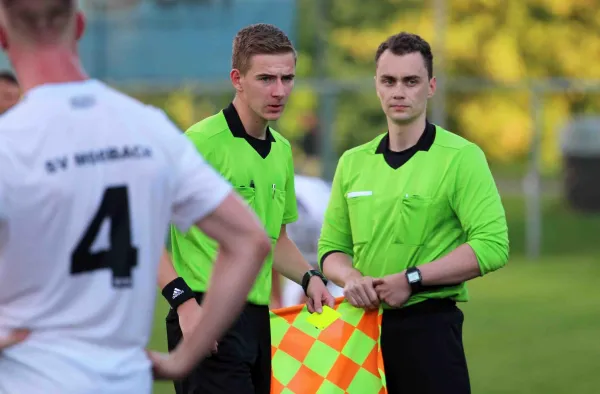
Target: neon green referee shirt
[[391, 211], [262, 172]]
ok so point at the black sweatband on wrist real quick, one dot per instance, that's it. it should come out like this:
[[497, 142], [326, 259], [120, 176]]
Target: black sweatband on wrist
[[177, 292]]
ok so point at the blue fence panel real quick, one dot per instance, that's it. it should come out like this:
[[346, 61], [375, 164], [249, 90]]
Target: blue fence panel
[[181, 40]]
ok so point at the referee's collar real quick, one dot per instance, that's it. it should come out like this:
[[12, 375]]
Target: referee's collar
[[237, 128], [424, 143]]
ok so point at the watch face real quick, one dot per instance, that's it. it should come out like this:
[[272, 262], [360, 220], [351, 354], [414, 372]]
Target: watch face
[[413, 277]]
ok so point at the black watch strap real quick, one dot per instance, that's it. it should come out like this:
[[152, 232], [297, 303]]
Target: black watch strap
[[308, 275], [177, 292]]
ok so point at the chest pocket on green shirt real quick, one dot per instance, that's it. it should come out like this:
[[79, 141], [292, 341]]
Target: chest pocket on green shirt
[[275, 211], [248, 194], [411, 228], [360, 213]]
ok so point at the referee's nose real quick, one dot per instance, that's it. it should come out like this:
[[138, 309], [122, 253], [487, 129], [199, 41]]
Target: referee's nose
[[399, 94], [278, 89]]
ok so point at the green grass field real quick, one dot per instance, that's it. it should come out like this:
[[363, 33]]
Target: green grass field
[[531, 327]]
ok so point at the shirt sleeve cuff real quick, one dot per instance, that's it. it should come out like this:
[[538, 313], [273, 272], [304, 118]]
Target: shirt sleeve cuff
[[290, 219], [325, 256], [489, 256]]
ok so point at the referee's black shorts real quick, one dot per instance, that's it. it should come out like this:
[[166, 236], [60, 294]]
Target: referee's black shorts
[[242, 364], [423, 350]]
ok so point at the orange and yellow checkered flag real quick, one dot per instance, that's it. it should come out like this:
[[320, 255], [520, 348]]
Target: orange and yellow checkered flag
[[343, 358]]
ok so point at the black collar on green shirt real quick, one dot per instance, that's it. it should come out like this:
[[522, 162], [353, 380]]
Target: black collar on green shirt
[[262, 147], [398, 159]]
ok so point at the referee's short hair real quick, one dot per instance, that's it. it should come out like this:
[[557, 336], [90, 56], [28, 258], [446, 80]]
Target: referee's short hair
[[258, 39], [8, 76], [404, 43]]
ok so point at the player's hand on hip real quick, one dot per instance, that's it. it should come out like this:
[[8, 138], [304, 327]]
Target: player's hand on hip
[[167, 366], [360, 292], [318, 295], [190, 314], [393, 289], [13, 338]]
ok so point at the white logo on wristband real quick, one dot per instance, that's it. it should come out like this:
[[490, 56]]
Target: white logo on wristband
[[177, 292]]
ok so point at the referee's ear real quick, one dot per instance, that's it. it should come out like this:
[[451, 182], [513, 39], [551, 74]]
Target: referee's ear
[[432, 87], [235, 75]]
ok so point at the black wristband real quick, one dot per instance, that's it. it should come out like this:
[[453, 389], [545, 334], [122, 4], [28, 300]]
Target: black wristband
[[177, 292]]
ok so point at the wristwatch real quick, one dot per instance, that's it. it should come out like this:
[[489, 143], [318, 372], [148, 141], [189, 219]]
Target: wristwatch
[[309, 274], [413, 275]]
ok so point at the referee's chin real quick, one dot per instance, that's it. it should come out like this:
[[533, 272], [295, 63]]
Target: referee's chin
[[272, 116], [402, 118]]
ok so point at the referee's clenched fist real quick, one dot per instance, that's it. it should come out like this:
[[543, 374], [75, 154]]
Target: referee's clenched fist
[[360, 292]]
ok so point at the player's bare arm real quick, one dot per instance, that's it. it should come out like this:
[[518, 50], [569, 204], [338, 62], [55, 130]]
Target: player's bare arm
[[13, 338], [359, 290], [189, 312], [243, 246], [290, 262]]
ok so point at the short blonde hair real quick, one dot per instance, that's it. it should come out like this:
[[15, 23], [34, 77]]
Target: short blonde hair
[[39, 20]]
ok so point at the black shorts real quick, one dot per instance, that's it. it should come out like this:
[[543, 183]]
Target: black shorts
[[423, 350], [242, 364]]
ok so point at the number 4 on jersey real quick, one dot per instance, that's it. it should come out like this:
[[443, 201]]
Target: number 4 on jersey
[[122, 256]]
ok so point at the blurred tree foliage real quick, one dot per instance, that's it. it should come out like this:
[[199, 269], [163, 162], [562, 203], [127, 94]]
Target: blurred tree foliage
[[503, 41]]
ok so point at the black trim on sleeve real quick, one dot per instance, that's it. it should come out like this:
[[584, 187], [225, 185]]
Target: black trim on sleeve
[[325, 256]]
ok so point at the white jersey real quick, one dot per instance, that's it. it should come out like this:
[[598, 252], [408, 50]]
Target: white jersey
[[312, 196], [89, 181]]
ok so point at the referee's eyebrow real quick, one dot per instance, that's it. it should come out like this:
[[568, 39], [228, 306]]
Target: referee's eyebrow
[[284, 76], [404, 79]]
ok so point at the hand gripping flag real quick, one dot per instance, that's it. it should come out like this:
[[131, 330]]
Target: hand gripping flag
[[343, 356]]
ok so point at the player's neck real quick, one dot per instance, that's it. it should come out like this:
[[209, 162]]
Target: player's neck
[[405, 136], [47, 66], [254, 125]]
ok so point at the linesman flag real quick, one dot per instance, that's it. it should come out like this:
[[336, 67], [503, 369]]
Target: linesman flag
[[336, 352]]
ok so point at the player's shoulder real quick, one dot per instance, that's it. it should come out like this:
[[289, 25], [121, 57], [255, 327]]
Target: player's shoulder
[[22, 119], [154, 121], [17, 130], [150, 123], [133, 107], [50, 104]]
